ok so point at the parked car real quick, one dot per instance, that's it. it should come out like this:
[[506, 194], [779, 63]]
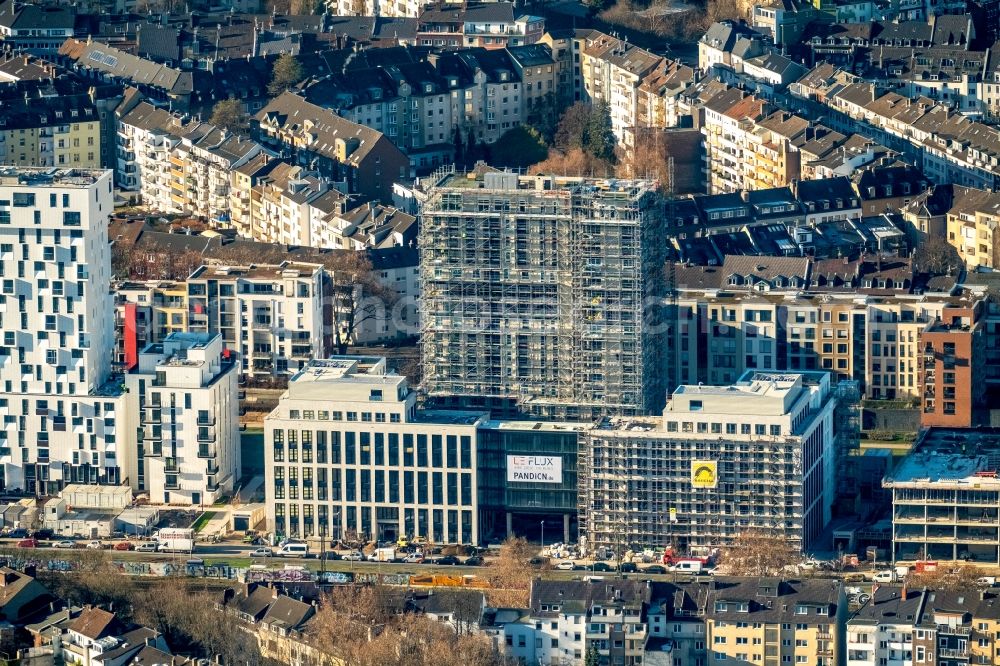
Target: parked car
[[447, 560], [627, 567], [18, 534], [261, 552], [566, 565], [331, 555], [124, 545], [43, 534], [146, 547], [413, 558], [474, 561], [66, 543], [602, 566], [95, 545], [655, 569], [354, 556], [27, 543]]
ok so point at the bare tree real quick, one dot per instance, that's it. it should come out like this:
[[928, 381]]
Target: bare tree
[[510, 574], [358, 297], [937, 256], [759, 552], [574, 162], [947, 578], [650, 158]]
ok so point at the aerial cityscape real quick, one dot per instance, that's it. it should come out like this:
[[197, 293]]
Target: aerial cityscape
[[491, 333]]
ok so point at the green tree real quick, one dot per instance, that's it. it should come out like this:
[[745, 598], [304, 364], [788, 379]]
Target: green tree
[[590, 658], [598, 139], [519, 147], [229, 114], [572, 127], [286, 73]]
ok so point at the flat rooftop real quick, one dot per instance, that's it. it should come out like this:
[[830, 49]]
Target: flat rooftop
[[11, 176], [537, 426], [255, 272], [540, 184], [952, 456], [359, 369], [447, 416]]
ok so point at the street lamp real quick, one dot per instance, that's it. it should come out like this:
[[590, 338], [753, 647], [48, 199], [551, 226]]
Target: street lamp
[[543, 534]]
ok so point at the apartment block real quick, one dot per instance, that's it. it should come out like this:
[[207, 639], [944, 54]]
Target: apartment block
[[184, 392], [973, 227], [512, 267], [796, 621], [924, 626], [280, 204], [772, 314], [953, 368], [758, 453], [63, 412], [729, 118], [348, 455], [362, 158], [178, 164], [771, 159], [270, 318], [42, 129], [695, 622], [946, 497], [612, 71], [569, 619], [491, 25]]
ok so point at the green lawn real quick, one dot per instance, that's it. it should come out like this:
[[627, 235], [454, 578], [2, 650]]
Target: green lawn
[[203, 520]]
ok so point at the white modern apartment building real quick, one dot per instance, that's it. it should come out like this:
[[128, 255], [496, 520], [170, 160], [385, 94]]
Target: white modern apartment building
[[348, 455], [63, 419], [185, 393], [759, 453], [270, 317]]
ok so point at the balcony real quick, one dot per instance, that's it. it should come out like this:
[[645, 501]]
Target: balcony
[[208, 420], [213, 468], [170, 465], [206, 434], [207, 452], [953, 653], [954, 631]]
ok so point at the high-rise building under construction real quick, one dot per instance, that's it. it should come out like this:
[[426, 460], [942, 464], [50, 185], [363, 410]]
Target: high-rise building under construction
[[541, 295]]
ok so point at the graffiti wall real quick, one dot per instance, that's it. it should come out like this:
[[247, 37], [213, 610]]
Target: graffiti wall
[[255, 574]]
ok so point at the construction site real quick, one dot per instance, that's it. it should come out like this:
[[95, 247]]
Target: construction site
[[759, 454], [542, 295]]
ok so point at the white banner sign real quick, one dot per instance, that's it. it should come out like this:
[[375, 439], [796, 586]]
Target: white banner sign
[[534, 469]]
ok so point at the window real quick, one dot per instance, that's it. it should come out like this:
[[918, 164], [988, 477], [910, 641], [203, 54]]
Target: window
[[23, 199]]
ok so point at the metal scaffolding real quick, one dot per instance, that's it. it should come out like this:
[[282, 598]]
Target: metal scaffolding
[[533, 291]]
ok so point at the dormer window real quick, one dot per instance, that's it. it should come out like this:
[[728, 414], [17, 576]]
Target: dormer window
[[720, 606]]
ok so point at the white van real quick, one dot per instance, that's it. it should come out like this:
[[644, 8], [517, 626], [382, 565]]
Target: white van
[[887, 576], [293, 550], [688, 566]]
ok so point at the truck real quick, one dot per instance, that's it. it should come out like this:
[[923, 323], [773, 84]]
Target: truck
[[384, 555], [175, 540]]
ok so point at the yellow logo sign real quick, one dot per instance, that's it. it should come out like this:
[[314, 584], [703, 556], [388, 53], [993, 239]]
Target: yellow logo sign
[[703, 474]]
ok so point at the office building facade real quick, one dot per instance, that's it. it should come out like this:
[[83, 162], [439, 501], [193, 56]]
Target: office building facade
[[348, 456]]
